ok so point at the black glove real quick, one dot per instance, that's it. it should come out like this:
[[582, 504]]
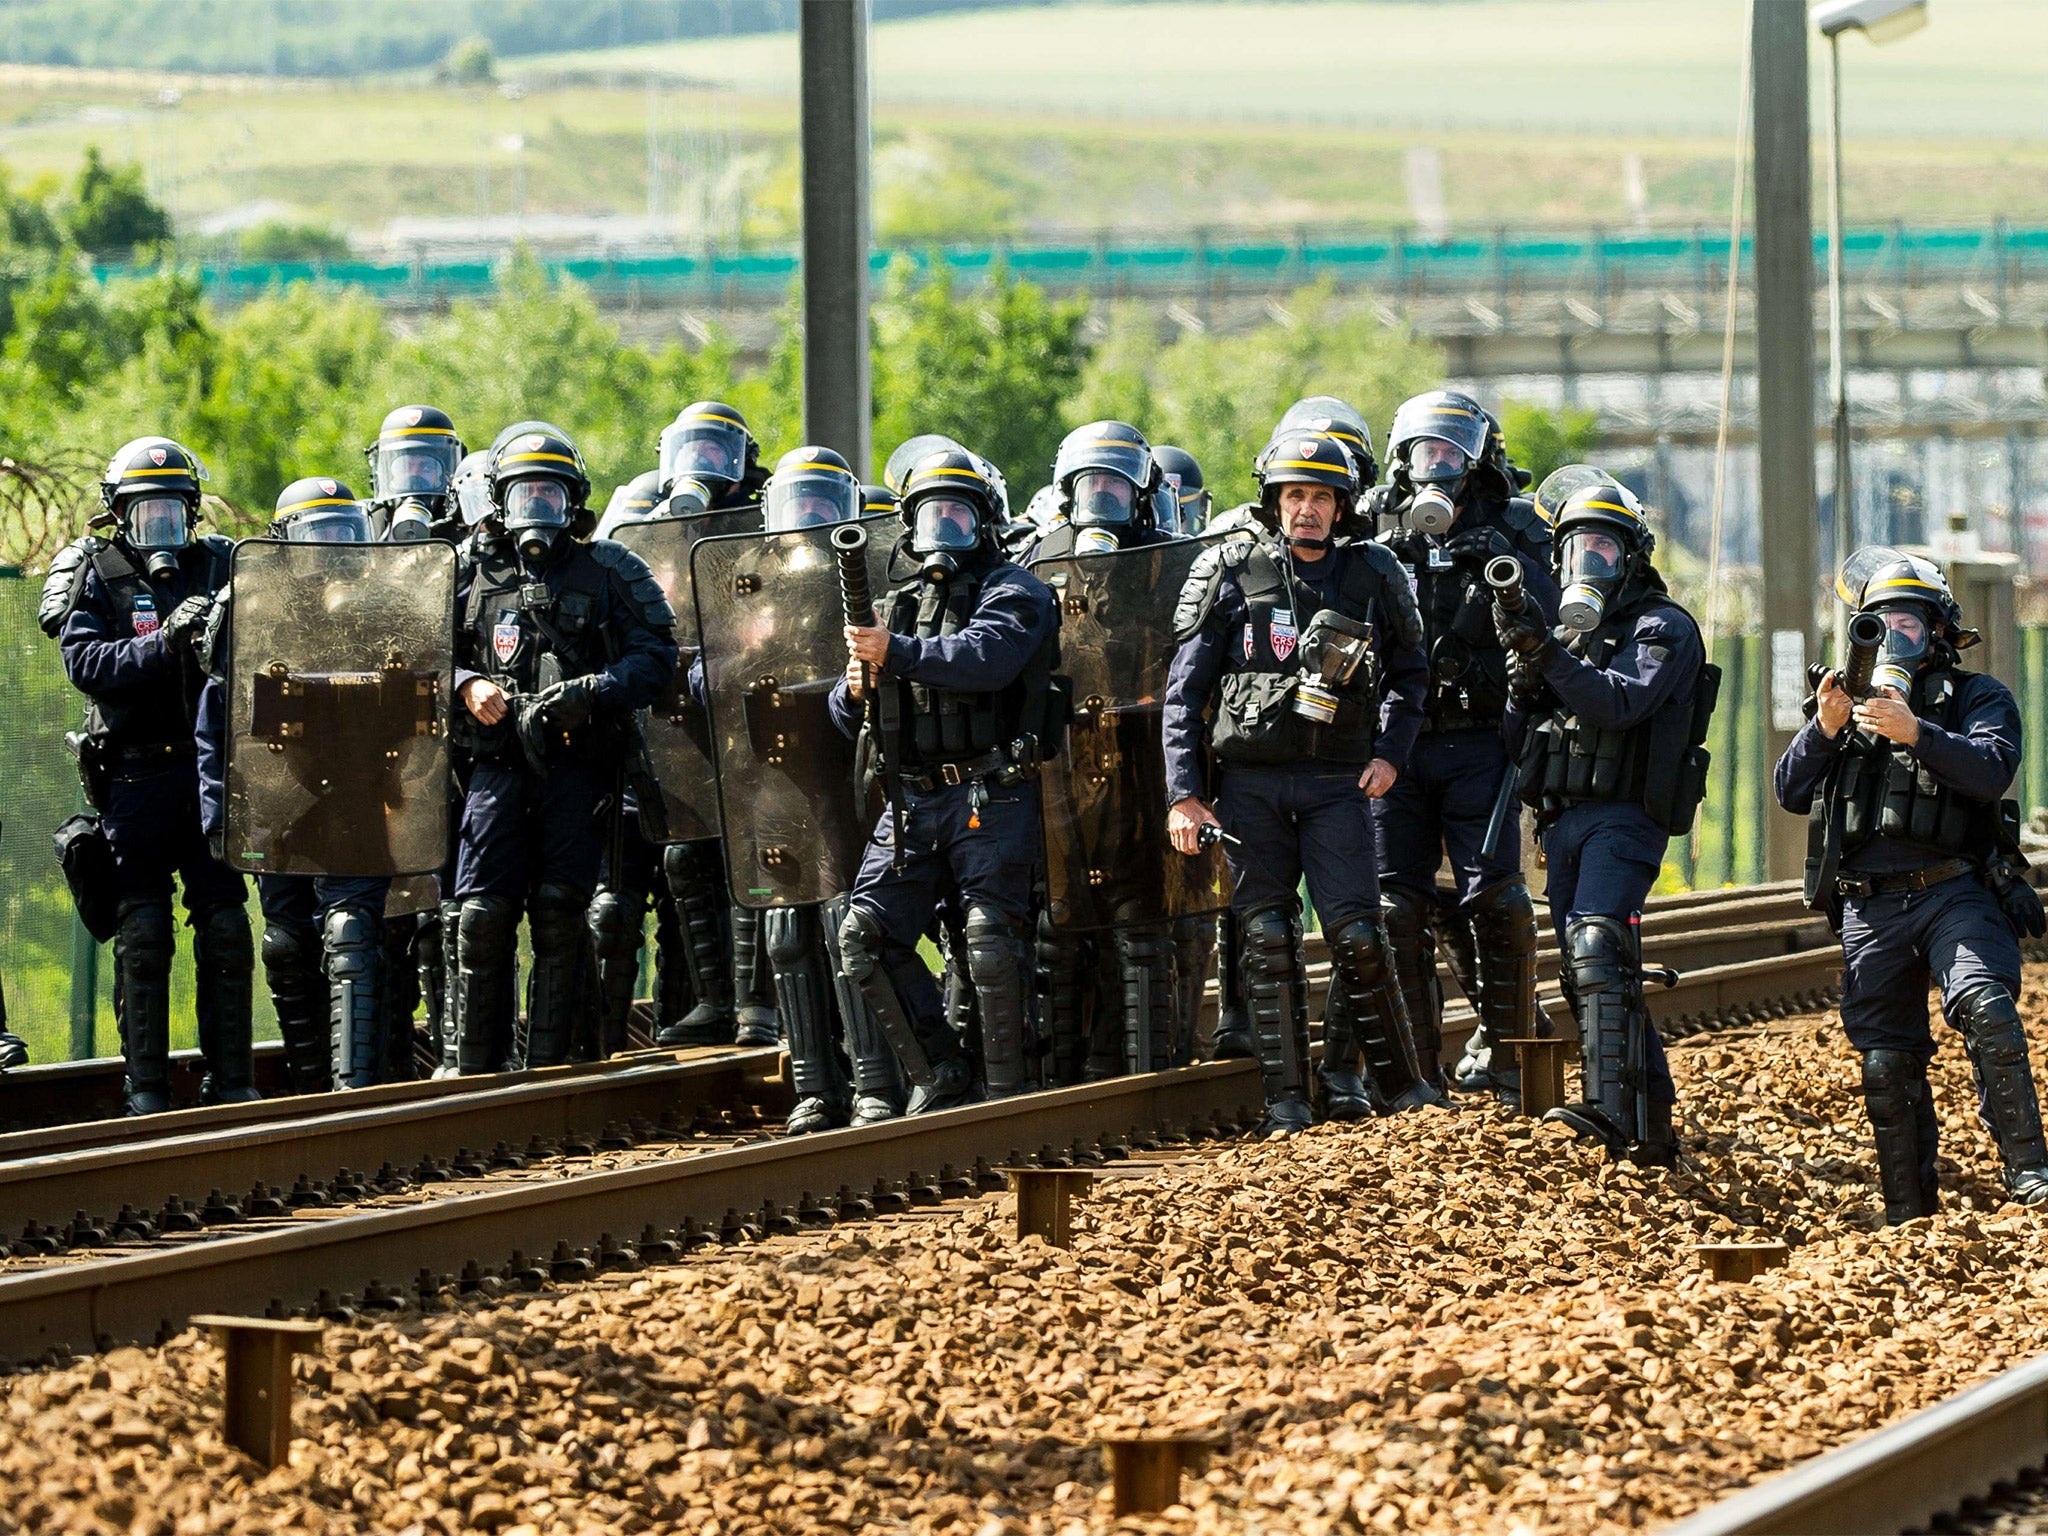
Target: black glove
[[184, 621], [1523, 635], [568, 704], [1478, 544]]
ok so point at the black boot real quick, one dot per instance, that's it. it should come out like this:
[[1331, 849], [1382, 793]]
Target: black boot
[[1504, 925], [449, 959], [927, 1051], [555, 924], [432, 983], [1362, 964], [1232, 1040], [1344, 1092], [298, 996], [1144, 968], [1605, 987], [672, 995], [1272, 978], [142, 996], [878, 1090], [223, 996], [400, 1034], [695, 874], [486, 951], [1891, 1080], [353, 950], [754, 1020], [2005, 1085], [803, 996]]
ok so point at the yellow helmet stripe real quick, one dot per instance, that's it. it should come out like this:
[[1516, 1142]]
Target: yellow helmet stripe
[[155, 470], [1302, 464], [730, 421], [528, 458], [323, 501], [964, 474], [1612, 506], [1901, 581], [417, 432], [837, 469]]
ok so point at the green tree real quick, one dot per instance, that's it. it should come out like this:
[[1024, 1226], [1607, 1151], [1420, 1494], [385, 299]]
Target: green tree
[[108, 212], [470, 62], [1541, 440], [280, 240]]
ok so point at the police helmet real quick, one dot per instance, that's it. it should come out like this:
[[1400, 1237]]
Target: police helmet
[[470, 485], [1602, 547], [151, 488], [948, 505], [810, 487], [540, 490], [1306, 458], [1043, 509], [1181, 474], [711, 442], [1106, 475], [1326, 413], [318, 510], [1878, 579], [1562, 483], [876, 499], [1438, 438], [633, 502], [897, 471], [415, 454]]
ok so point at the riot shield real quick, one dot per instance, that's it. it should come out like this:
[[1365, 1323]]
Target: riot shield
[[1107, 859], [340, 675], [770, 611], [677, 730]]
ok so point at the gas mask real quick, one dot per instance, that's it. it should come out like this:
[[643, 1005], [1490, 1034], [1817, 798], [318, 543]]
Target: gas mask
[[1430, 510], [1333, 648], [944, 528], [410, 522], [1437, 469], [1592, 564], [537, 518], [1908, 642], [1102, 498], [1094, 541], [156, 527]]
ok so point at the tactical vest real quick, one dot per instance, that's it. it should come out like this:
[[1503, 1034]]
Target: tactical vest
[[1882, 790], [1255, 722], [527, 633], [1659, 763], [928, 725], [157, 715]]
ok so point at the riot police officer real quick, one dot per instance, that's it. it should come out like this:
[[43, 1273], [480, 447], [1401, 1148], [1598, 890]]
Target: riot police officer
[[1300, 661], [1447, 513], [635, 501], [710, 460], [1181, 473], [1905, 779], [126, 609], [558, 643], [1610, 713], [412, 463], [952, 696]]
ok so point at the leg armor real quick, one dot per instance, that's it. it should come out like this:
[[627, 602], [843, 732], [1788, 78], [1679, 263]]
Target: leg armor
[[223, 986], [673, 997], [142, 958], [1998, 1048], [1605, 986], [1894, 1083], [451, 977], [993, 965], [1232, 1040], [1144, 970], [556, 925], [353, 953], [1411, 931], [694, 874], [803, 996], [753, 982], [1060, 962], [1275, 999], [615, 936], [1504, 926], [1194, 942], [432, 982], [877, 1082], [402, 938], [485, 953], [1345, 1096], [1362, 961], [291, 965], [930, 1057], [1102, 1010]]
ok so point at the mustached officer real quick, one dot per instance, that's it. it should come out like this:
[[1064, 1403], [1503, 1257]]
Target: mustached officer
[[1300, 669], [127, 609], [1614, 707], [1904, 773], [558, 642], [952, 696]]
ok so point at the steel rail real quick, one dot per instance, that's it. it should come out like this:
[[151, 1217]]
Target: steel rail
[[1901, 1477]]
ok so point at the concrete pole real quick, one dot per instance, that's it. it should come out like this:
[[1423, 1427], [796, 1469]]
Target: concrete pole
[[833, 43], [1785, 392]]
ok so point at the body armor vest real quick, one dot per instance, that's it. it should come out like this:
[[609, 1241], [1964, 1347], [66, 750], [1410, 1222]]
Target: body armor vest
[[1881, 790], [153, 716], [929, 725], [1659, 763], [1255, 722], [526, 633]]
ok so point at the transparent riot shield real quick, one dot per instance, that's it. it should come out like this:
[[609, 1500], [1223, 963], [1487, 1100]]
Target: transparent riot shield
[[676, 728], [771, 615], [1107, 859], [340, 675]]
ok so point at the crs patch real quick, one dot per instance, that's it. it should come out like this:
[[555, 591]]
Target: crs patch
[[1251, 641], [1282, 633], [145, 617], [505, 638]]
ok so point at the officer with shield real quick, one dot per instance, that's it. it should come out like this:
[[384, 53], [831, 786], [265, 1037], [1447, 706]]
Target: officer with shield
[[1300, 669], [1614, 708], [1904, 769], [952, 697], [126, 609], [558, 642], [1448, 513]]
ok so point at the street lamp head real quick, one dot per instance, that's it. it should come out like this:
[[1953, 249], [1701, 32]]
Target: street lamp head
[[1882, 21]]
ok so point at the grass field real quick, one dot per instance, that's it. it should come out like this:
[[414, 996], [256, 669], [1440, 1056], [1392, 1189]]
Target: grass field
[[1087, 117]]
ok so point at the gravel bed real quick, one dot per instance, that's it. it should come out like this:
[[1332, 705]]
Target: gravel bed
[[1445, 1322]]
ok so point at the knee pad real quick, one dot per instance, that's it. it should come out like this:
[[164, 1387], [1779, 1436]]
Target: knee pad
[[1410, 917], [557, 914], [991, 938], [860, 945], [1988, 1012], [349, 937], [1600, 954], [487, 923], [288, 947], [1504, 919], [143, 942], [222, 934], [788, 933], [1890, 1074], [1359, 951], [1267, 935]]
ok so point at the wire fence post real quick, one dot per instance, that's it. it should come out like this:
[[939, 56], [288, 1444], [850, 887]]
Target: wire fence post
[[85, 990]]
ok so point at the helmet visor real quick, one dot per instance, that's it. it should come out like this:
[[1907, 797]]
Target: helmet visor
[[1434, 461], [412, 466], [539, 502], [945, 523], [328, 525], [156, 522], [1103, 499], [1594, 556], [705, 449], [809, 500], [1909, 634], [473, 496]]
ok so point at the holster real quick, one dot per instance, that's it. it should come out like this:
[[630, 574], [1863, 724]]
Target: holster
[[88, 862]]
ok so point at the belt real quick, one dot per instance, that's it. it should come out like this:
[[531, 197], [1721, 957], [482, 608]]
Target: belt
[[1912, 880], [952, 775], [155, 752]]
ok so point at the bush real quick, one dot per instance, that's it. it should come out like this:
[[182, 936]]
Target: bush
[[1541, 440], [108, 213], [470, 62], [277, 240]]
